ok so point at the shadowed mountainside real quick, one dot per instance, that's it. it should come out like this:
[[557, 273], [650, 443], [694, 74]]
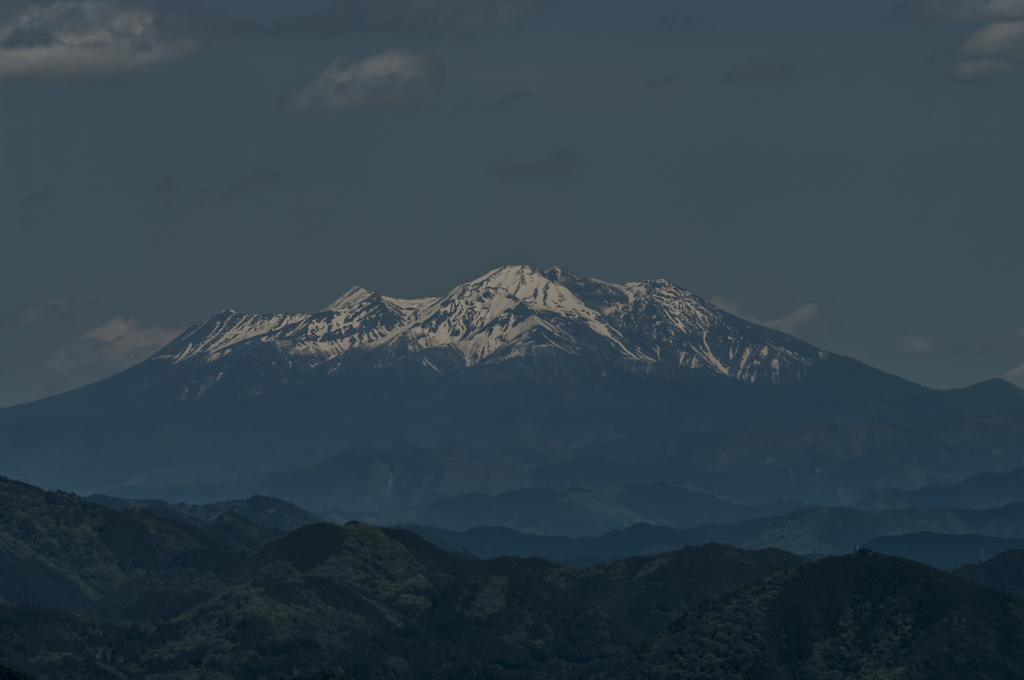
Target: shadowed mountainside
[[1004, 571]]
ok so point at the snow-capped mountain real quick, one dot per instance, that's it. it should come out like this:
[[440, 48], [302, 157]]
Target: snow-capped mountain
[[516, 370], [515, 312]]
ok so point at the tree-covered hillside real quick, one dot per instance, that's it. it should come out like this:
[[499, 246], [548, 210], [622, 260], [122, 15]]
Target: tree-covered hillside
[[127, 594], [858, 616]]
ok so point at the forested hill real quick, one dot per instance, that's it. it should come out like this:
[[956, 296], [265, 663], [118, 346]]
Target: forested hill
[[91, 593], [857, 616], [128, 595]]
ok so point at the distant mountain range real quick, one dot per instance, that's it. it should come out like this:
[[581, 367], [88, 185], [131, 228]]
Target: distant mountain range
[[491, 388], [954, 536], [585, 511]]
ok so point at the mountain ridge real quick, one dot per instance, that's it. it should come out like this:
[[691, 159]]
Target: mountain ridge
[[509, 313]]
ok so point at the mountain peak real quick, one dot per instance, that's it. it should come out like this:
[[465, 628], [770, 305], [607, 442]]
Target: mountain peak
[[355, 295]]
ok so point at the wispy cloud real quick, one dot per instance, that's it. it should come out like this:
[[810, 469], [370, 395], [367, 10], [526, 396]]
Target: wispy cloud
[[994, 50], [555, 165], [806, 321], [114, 346], [255, 182], [967, 10], [172, 190], [915, 345], [1016, 376], [36, 313], [88, 39], [757, 71], [675, 20], [37, 198], [392, 79], [503, 102], [66, 40], [1010, 342], [459, 18], [658, 83]]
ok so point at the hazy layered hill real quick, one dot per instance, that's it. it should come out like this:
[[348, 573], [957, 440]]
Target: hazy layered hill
[[811, 531], [981, 491], [821, 464], [268, 512], [520, 355], [865, 615], [585, 511]]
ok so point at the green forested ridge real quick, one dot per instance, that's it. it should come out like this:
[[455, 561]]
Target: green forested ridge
[[61, 552], [161, 599], [858, 616], [165, 600], [272, 513], [11, 674]]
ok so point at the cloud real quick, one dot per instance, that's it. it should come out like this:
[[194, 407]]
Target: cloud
[[116, 345], [967, 10], [1016, 376], [755, 71], [674, 20], [39, 312], [89, 39], [994, 50], [255, 182], [172, 190], [1010, 342], [809, 320], [555, 165], [658, 83], [392, 79], [65, 40], [502, 102], [914, 345], [41, 197], [413, 17]]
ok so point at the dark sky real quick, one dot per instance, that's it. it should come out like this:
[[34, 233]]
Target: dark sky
[[851, 172]]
